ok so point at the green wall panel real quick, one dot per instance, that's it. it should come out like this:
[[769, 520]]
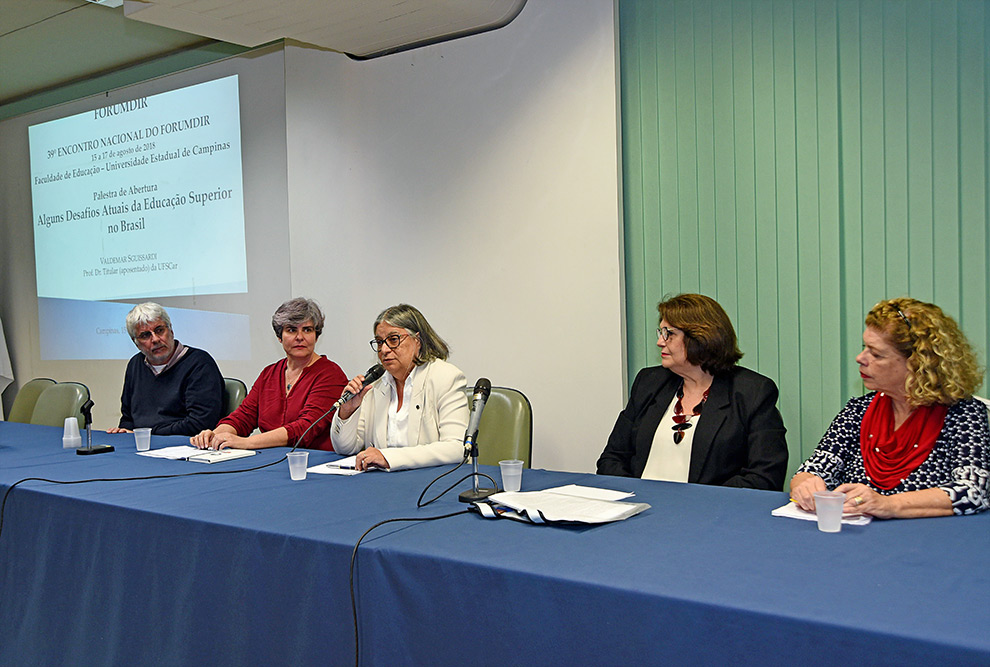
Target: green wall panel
[[799, 160]]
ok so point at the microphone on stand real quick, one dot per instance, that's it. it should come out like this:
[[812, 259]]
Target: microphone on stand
[[87, 412], [482, 389]]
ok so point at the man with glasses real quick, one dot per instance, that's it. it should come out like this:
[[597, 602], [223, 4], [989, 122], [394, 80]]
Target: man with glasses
[[168, 387]]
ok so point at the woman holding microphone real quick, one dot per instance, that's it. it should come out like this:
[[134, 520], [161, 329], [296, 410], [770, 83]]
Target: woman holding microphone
[[416, 414]]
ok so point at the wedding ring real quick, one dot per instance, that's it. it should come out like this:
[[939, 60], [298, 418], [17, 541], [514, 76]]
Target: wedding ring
[[858, 500]]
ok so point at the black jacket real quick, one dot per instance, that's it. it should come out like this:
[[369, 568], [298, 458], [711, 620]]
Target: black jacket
[[740, 437]]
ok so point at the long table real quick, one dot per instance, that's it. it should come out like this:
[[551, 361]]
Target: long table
[[252, 568]]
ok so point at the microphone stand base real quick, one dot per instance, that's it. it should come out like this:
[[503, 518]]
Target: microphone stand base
[[474, 495], [94, 449]]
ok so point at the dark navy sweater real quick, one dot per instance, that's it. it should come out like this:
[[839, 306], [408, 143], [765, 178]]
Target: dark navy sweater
[[183, 400]]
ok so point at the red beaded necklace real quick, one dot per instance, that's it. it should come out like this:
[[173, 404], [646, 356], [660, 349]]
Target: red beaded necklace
[[682, 421]]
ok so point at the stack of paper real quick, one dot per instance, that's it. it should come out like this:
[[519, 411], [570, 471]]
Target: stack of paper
[[190, 453], [572, 503]]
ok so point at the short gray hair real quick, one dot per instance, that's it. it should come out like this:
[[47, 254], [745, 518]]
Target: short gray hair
[[143, 313], [404, 316], [295, 312]]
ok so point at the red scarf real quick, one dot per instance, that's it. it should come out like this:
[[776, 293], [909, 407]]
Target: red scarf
[[889, 456]]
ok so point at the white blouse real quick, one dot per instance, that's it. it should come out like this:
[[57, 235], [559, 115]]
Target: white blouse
[[670, 461], [398, 418]]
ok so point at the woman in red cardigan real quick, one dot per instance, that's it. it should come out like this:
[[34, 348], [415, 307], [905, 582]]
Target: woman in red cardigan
[[289, 395]]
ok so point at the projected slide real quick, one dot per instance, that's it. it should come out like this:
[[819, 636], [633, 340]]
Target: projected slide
[[95, 330], [142, 198]]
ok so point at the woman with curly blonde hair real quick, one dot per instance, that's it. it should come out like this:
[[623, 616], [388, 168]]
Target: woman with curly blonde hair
[[918, 444]]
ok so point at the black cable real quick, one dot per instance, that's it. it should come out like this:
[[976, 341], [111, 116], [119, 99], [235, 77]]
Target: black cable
[[419, 502], [3, 504], [357, 647], [300, 438]]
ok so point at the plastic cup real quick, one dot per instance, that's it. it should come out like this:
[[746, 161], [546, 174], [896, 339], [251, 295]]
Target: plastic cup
[[70, 433], [142, 438], [828, 507], [511, 474], [297, 465]]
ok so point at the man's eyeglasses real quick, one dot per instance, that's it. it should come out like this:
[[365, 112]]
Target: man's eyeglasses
[[159, 331], [392, 341]]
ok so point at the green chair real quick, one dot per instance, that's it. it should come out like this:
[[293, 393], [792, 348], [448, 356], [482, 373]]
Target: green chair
[[506, 429], [59, 402], [234, 392], [27, 397]]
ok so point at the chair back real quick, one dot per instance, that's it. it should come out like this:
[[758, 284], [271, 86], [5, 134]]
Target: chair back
[[27, 397], [59, 402], [234, 392], [506, 429]]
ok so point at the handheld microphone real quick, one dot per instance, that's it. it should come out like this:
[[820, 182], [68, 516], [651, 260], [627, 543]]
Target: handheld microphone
[[370, 376], [482, 389]]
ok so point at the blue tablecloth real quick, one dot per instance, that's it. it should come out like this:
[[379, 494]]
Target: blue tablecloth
[[252, 568]]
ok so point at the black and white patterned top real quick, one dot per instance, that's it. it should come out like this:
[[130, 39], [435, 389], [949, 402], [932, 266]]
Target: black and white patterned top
[[959, 463]]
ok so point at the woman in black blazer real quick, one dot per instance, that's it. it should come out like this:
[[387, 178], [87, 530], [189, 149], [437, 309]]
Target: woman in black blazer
[[699, 417]]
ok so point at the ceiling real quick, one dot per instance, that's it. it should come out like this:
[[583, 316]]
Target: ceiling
[[46, 44]]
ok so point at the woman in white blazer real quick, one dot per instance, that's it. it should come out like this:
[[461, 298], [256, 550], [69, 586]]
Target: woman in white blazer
[[417, 413]]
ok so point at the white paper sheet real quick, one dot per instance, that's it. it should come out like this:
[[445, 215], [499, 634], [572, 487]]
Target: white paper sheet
[[333, 468], [190, 453], [590, 492], [562, 507], [176, 453], [792, 511], [344, 466]]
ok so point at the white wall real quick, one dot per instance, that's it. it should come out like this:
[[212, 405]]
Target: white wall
[[478, 180]]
